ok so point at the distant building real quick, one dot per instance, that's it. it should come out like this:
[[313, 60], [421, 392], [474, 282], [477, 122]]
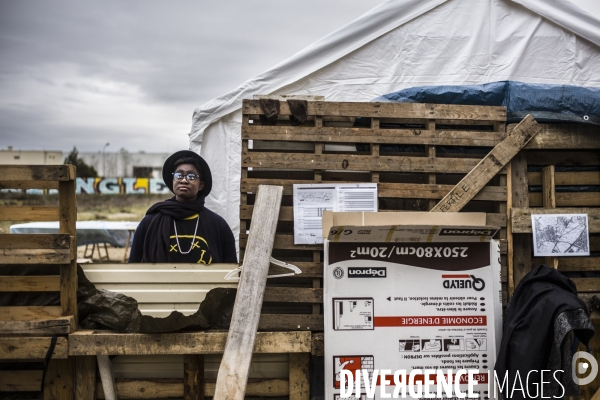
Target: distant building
[[118, 165], [31, 157], [125, 164]]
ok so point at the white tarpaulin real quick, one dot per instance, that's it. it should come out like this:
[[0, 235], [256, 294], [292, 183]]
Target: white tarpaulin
[[407, 43]]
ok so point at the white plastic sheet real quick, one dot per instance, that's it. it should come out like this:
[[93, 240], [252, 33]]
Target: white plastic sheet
[[406, 43]]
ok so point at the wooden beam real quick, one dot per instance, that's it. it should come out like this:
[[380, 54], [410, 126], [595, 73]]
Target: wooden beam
[[40, 256], [562, 137], [60, 377], [68, 271], [299, 376], [88, 343], [23, 313], [28, 213], [521, 217], [32, 348], [291, 322], [487, 168], [519, 246], [390, 110], [20, 381], [37, 172], [55, 326], [235, 365], [193, 377], [549, 201], [357, 162], [28, 185], [173, 388], [332, 134], [50, 283], [85, 378], [34, 241]]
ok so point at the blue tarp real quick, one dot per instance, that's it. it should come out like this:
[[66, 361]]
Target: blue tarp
[[546, 103]]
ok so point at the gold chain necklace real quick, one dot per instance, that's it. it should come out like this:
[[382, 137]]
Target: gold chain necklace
[[193, 240]]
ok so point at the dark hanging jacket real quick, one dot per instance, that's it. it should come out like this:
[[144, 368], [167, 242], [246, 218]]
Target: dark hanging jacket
[[540, 315]]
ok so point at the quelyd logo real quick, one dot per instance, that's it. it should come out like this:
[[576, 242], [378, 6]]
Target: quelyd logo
[[463, 281], [364, 272]]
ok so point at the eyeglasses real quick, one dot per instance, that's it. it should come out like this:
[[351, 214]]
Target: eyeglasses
[[178, 176]]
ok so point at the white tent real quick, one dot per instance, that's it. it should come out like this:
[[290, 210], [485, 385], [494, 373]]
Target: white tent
[[407, 43]]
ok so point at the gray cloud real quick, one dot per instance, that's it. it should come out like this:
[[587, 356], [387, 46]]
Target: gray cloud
[[132, 72]]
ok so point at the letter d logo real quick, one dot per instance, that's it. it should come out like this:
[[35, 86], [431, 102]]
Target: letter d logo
[[579, 366]]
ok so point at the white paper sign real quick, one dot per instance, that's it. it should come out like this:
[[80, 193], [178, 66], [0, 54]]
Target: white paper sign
[[310, 200], [560, 235]]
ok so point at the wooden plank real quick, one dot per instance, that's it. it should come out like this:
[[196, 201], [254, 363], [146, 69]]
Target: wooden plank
[[573, 157], [373, 136], [30, 283], [563, 178], [519, 246], [193, 377], [587, 285], [573, 264], [88, 343], [569, 199], [24, 185], [32, 348], [501, 155], [20, 381], [299, 373], [549, 201], [293, 295], [85, 378], [37, 172], [57, 326], [68, 271], [292, 322], [34, 241], [353, 162], [173, 388], [384, 189], [40, 256], [28, 213], [233, 372], [60, 377], [521, 217], [22, 313], [390, 110], [562, 137]]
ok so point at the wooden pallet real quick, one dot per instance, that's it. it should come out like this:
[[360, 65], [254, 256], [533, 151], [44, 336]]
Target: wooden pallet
[[27, 330], [415, 152], [544, 184]]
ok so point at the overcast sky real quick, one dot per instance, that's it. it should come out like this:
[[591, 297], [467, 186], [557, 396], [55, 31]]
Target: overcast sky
[[131, 73]]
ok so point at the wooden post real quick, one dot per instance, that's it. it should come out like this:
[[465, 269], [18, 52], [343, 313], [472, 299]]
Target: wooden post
[[85, 378], [519, 245], [193, 377], [298, 373], [549, 201], [67, 219], [233, 372], [58, 384], [488, 167], [107, 377]]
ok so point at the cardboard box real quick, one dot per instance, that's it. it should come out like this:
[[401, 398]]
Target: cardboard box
[[407, 297], [331, 218]]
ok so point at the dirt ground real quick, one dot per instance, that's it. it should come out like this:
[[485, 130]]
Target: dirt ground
[[89, 208]]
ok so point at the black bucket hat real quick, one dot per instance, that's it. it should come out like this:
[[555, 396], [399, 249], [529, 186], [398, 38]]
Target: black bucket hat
[[205, 175]]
